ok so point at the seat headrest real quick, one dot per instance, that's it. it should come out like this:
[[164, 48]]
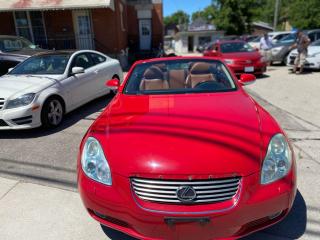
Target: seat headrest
[[153, 73], [201, 68]]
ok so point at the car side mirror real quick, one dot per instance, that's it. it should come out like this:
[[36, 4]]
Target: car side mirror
[[247, 79], [77, 70], [10, 69], [113, 84]]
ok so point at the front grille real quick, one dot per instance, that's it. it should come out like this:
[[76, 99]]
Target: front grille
[[165, 191], [1, 103]]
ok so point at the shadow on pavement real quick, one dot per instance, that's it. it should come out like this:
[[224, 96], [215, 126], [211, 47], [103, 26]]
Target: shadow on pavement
[[81, 113], [292, 227]]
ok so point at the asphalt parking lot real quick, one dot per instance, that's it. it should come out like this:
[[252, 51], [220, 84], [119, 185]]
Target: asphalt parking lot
[[49, 157]]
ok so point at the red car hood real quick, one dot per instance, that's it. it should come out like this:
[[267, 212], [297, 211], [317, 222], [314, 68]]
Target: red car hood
[[242, 56], [193, 134]]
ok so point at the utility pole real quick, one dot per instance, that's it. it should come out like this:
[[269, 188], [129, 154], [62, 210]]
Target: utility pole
[[276, 14]]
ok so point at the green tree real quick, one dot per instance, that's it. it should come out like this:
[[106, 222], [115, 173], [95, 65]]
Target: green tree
[[208, 14], [179, 17], [235, 16], [304, 14]]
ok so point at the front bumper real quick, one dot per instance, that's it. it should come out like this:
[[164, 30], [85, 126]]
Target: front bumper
[[311, 62], [117, 207], [20, 118], [258, 68]]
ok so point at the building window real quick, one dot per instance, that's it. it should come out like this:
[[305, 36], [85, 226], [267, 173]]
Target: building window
[[121, 17], [31, 26]]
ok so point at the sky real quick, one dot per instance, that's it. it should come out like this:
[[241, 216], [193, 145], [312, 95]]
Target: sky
[[189, 6]]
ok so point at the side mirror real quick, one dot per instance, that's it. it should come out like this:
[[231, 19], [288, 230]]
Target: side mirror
[[10, 69], [247, 79], [113, 84], [77, 70]]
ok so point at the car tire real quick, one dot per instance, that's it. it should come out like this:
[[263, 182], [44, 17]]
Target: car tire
[[52, 113]]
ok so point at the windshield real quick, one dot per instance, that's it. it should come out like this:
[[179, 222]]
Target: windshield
[[43, 65], [236, 47], [179, 76], [12, 44], [289, 38]]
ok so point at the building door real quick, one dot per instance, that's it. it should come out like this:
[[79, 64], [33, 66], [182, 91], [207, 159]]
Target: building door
[[190, 44], [83, 29], [145, 34]]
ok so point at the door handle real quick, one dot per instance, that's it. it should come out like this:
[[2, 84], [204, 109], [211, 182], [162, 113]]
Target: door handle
[[96, 71]]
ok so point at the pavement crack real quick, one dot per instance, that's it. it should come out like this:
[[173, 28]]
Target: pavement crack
[[4, 195]]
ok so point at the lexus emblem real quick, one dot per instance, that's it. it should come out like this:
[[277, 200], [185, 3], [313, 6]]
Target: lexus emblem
[[186, 194], [248, 61]]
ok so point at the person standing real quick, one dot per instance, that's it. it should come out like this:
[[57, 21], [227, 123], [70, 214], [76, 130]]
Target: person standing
[[265, 48], [302, 43]]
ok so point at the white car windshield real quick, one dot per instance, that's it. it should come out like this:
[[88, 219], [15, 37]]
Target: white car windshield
[[11, 44], [179, 77], [43, 65]]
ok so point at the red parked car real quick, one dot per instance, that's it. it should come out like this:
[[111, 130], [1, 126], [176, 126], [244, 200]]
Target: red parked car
[[239, 56], [183, 152]]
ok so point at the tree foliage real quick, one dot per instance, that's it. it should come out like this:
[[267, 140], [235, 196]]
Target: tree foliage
[[235, 16], [305, 14], [179, 17], [207, 14]]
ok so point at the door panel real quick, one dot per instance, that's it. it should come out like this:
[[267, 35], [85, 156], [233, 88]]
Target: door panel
[[83, 29], [145, 31]]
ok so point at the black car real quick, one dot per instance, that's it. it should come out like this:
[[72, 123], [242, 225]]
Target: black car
[[281, 49], [14, 50]]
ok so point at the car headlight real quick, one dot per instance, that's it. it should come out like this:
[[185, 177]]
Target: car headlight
[[21, 101], [94, 163], [229, 61], [278, 160]]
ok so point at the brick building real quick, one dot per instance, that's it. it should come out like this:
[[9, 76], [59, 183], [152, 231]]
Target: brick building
[[108, 26]]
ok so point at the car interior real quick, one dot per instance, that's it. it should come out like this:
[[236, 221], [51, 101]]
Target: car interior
[[192, 75]]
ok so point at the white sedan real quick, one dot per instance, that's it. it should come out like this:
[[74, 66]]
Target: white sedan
[[313, 58], [42, 89]]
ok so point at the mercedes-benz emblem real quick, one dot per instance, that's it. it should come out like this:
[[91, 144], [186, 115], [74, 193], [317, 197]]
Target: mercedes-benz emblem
[[186, 194]]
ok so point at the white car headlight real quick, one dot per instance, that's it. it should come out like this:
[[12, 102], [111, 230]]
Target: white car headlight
[[21, 101], [278, 160], [229, 61], [94, 163]]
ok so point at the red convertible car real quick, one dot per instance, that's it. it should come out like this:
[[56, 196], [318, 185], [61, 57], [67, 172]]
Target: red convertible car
[[183, 152], [239, 56]]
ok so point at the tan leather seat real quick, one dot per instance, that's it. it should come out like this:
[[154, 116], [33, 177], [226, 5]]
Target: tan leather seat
[[200, 72], [177, 78], [153, 79]]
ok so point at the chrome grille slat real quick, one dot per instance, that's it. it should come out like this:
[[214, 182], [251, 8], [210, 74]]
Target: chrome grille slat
[[175, 187], [177, 201], [190, 183], [165, 191]]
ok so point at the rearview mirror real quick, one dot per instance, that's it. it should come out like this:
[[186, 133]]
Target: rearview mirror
[[77, 70], [10, 69], [246, 79], [113, 84]]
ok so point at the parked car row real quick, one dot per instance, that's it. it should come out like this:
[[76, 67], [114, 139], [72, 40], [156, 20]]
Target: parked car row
[[42, 89], [282, 49]]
